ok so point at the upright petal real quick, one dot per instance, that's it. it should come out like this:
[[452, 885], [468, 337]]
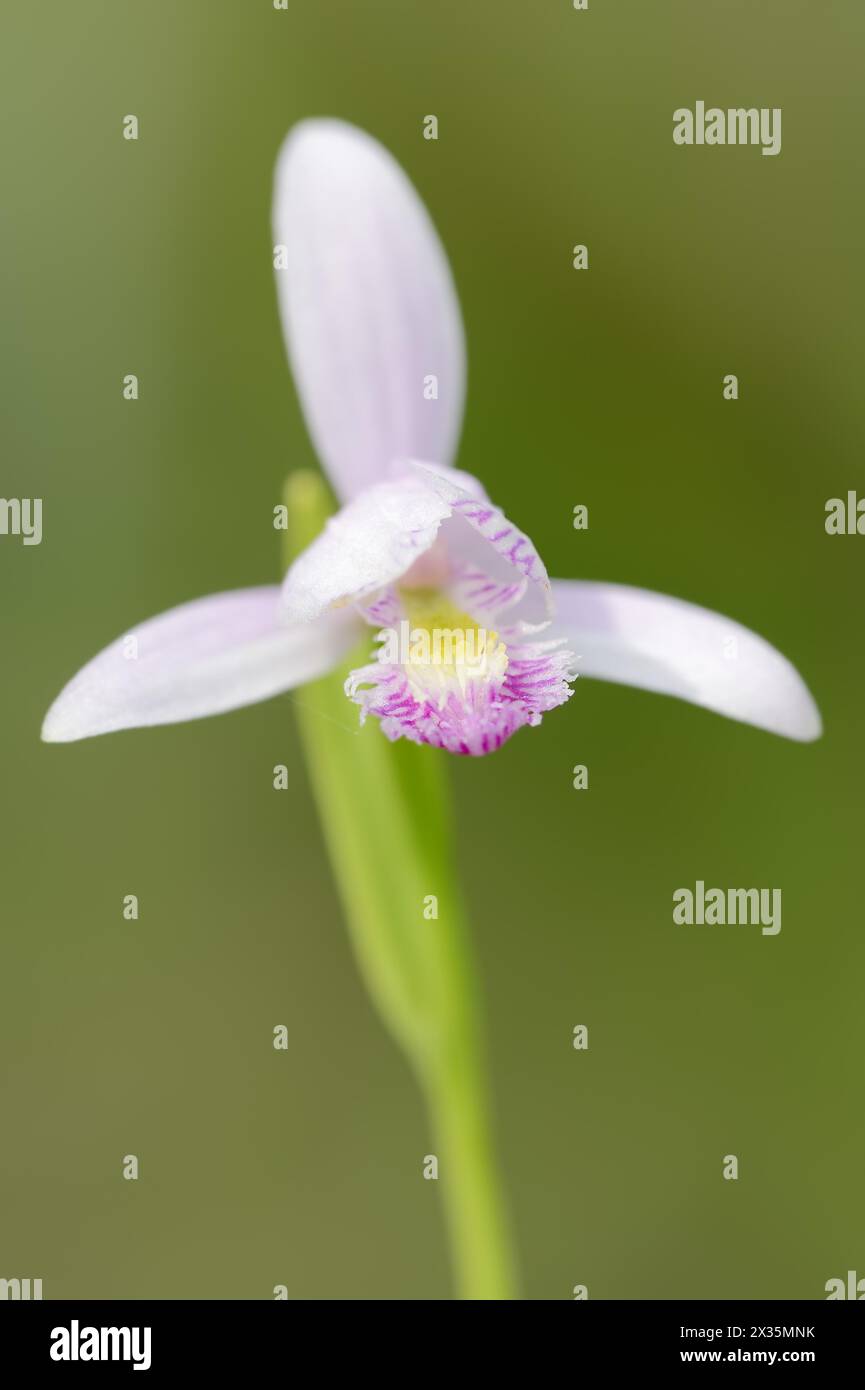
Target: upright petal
[[664, 644], [368, 306], [205, 657]]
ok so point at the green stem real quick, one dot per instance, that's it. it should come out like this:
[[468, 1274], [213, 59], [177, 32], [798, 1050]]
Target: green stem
[[386, 818], [456, 1093]]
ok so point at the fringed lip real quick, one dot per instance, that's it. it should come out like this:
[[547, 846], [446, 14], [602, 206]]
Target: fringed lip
[[470, 717]]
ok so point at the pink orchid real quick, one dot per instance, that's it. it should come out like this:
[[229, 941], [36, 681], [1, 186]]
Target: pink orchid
[[375, 340]]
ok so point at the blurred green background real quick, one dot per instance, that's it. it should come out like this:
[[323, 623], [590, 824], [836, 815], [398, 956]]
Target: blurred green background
[[304, 1168]]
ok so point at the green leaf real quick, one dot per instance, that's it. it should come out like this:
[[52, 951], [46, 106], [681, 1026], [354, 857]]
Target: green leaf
[[385, 813]]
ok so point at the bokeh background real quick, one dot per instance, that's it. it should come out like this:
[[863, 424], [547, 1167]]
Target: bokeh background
[[304, 1168]]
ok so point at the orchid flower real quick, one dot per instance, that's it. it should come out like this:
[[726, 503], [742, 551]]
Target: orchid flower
[[375, 339]]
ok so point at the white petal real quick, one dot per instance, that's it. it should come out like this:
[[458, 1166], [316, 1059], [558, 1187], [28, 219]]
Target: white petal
[[206, 657], [374, 540], [480, 538], [664, 644], [368, 306]]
